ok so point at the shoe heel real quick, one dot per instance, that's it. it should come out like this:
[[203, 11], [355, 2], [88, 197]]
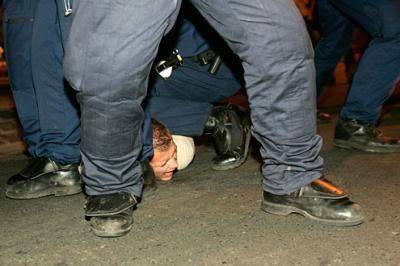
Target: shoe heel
[[276, 209], [64, 191]]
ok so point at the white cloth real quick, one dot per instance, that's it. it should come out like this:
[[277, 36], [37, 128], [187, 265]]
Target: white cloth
[[185, 150]]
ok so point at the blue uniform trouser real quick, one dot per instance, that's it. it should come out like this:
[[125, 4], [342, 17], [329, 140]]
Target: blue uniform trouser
[[183, 102], [111, 48], [379, 68], [336, 37], [34, 32]]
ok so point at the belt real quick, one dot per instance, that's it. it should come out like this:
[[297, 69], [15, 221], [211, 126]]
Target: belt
[[209, 57]]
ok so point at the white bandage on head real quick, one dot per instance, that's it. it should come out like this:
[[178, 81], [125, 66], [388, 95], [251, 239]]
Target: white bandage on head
[[185, 150]]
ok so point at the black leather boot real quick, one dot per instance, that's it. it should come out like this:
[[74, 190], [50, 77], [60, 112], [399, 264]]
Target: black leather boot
[[110, 215], [365, 137], [36, 166], [320, 201], [44, 177], [230, 129]]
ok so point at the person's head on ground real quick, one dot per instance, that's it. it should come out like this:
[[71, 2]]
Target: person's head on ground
[[164, 161], [171, 152]]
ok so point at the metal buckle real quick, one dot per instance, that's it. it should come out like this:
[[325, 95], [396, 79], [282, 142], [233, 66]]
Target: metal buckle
[[165, 67]]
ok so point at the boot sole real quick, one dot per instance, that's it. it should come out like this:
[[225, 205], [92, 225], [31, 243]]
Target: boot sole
[[116, 233], [353, 145], [283, 210], [241, 161], [55, 191]]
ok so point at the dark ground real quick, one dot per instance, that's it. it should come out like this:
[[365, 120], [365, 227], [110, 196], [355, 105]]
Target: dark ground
[[206, 217]]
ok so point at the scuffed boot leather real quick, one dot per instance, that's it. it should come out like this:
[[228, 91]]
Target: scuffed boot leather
[[45, 178], [319, 201], [110, 214], [36, 166], [365, 137], [230, 129]]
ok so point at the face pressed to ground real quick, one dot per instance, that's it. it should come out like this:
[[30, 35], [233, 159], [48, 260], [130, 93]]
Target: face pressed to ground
[[164, 162]]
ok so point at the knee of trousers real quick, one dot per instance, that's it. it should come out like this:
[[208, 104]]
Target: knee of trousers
[[112, 129]]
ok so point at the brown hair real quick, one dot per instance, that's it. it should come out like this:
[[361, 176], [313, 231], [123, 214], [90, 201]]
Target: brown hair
[[162, 138]]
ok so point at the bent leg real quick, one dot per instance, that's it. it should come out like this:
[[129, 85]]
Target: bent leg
[[184, 101]]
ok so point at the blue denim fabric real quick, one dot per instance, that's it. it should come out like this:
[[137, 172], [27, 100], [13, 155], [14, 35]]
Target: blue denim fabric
[[379, 68], [45, 104], [336, 36]]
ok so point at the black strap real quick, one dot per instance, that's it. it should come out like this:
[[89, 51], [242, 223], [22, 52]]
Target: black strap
[[205, 58]]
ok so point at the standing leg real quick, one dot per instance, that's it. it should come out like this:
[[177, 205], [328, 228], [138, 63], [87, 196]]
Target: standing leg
[[379, 68], [376, 76], [271, 40], [279, 76], [35, 53], [18, 29], [336, 36], [58, 110], [112, 45]]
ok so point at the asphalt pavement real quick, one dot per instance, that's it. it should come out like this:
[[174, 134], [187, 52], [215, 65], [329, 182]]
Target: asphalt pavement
[[206, 217]]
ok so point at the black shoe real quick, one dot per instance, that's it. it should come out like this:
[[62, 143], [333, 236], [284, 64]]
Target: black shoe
[[45, 178], [320, 201], [365, 137], [111, 214], [35, 167], [230, 129]]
